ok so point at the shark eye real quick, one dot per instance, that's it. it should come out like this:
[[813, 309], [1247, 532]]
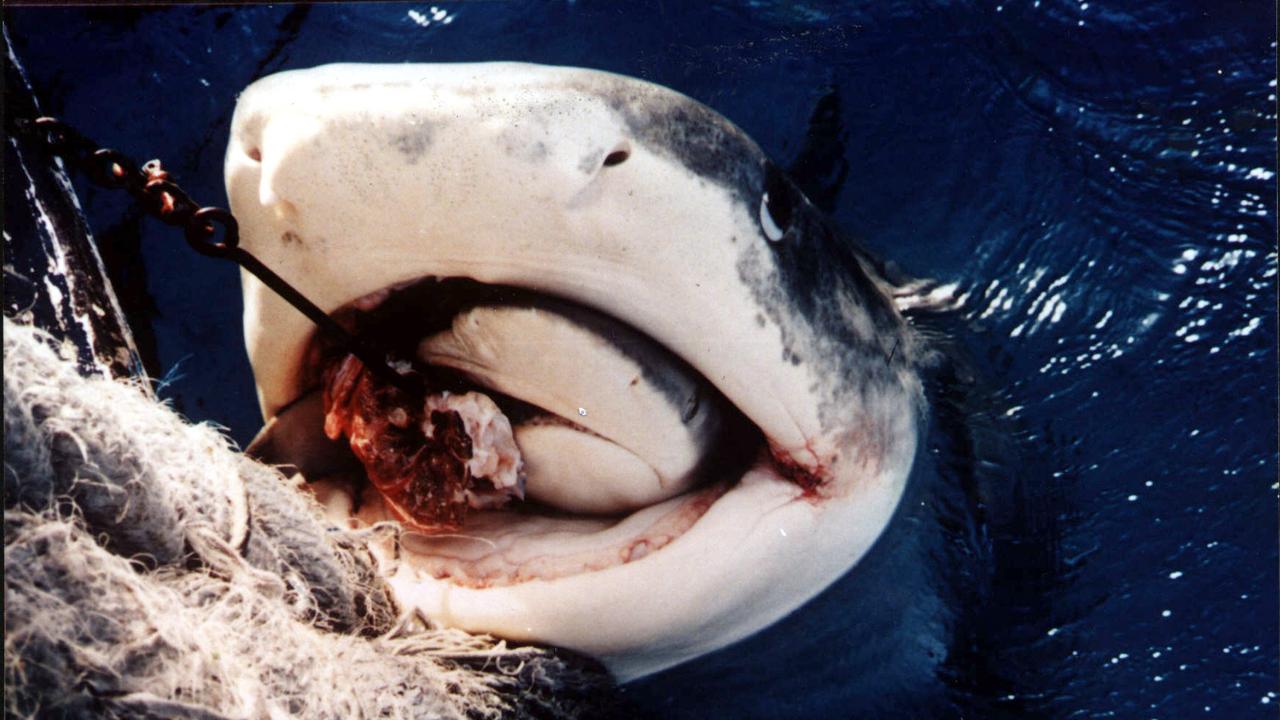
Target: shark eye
[[618, 154], [775, 204]]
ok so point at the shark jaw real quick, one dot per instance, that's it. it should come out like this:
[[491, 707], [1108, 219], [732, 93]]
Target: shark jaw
[[637, 214]]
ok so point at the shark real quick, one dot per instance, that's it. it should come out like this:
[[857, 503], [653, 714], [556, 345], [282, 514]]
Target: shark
[[714, 401]]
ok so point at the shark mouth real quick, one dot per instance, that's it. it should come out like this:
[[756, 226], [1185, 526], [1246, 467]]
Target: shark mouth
[[630, 469], [586, 444], [665, 405]]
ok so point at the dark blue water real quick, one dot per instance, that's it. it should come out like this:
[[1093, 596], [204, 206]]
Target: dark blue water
[[1093, 530]]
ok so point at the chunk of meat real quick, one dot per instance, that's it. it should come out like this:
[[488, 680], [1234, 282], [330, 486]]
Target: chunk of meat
[[433, 459], [494, 455]]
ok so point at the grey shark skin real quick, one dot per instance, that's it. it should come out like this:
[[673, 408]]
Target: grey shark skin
[[648, 208]]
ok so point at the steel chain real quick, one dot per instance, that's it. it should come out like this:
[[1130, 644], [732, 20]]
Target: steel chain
[[149, 184]]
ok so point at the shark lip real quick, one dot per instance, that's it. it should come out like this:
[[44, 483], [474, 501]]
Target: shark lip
[[525, 541]]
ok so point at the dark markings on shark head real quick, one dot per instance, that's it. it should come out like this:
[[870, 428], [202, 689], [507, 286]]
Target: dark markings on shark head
[[414, 143]]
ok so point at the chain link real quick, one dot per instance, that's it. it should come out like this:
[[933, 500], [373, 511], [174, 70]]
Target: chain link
[[149, 184], [162, 198]]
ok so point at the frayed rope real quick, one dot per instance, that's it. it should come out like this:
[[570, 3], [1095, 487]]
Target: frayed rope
[[151, 570]]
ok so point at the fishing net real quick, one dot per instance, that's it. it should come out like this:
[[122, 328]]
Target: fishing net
[[152, 570]]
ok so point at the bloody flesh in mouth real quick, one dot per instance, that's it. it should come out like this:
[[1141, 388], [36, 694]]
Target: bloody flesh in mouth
[[433, 457]]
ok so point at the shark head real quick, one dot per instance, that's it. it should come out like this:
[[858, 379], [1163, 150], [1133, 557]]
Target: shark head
[[726, 403]]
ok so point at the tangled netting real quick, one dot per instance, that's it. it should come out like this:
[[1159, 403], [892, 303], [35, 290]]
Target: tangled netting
[[153, 571]]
